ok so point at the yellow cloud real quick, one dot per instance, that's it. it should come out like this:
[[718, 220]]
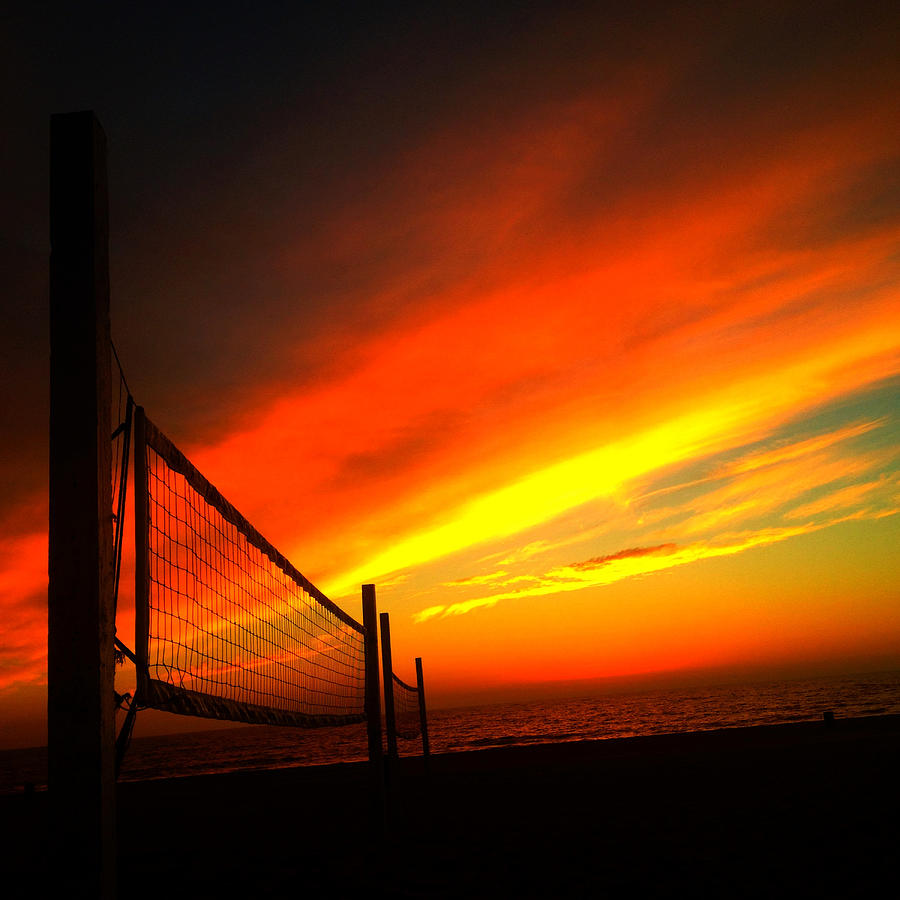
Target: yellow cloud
[[458, 609], [574, 578], [529, 550], [492, 578], [429, 613]]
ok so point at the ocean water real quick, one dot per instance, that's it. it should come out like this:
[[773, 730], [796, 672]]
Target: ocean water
[[595, 717]]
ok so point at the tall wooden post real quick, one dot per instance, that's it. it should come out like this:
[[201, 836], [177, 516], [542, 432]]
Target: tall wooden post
[[81, 627], [387, 677], [373, 701], [373, 711], [423, 716]]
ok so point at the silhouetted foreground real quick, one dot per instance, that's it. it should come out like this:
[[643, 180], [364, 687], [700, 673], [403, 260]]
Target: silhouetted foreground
[[789, 810]]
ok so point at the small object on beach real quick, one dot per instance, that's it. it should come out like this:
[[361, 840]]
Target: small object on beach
[[828, 716]]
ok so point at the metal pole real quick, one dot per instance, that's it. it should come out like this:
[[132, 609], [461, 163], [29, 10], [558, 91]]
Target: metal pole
[[81, 614], [423, 718], [387, 674]]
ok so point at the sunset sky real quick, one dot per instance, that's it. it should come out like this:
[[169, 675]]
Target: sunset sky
[[576, 332]]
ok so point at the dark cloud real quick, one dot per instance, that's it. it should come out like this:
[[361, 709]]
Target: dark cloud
[[24, 374], [854, 208], [234, 139], [394, 458], [599, 561]]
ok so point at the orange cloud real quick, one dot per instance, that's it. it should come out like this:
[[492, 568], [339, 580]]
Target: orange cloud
[[23, 600]]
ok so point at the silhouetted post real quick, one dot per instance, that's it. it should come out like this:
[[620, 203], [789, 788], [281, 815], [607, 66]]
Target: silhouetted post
[[387, 675], [373, 706], [373, 701], [423, 717], [81, 626]]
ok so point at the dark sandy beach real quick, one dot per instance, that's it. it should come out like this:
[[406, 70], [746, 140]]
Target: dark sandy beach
[[789, 810]]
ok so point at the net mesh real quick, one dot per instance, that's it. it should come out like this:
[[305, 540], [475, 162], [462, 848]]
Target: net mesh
[[406, 709], [233, 630]]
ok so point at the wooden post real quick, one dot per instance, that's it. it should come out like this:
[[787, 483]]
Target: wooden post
[[423, 718], [81, 616], [373, 701], [373, 712], [387, 675]]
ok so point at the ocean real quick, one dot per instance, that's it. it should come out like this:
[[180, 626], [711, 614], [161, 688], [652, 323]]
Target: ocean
[[596, 717]]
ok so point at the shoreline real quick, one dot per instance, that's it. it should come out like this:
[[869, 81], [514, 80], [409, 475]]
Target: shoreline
[[570, 751], [800, 809], [537, 747]]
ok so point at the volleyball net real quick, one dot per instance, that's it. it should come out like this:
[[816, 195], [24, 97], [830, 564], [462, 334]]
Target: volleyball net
[[405, 715], [407, 721], [226, 627]]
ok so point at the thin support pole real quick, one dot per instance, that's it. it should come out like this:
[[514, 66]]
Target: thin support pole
[[80, 603], [423, 717], [387, 674], [141, 557]]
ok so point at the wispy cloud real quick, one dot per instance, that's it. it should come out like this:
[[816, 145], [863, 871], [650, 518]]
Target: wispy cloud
[[618, 567], [791, 450], [764, 482], [490, 578], [768, 490], [423, 615], [598, 561], [847, 497], [786, 451]]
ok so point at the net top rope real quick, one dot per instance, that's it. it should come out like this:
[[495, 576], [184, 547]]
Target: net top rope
[[179, 463]]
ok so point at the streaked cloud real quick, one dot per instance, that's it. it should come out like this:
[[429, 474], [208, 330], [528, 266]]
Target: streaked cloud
[[796, 449], [597, 561], [578, 577], [849, 496], [766, 487], [23, 599]]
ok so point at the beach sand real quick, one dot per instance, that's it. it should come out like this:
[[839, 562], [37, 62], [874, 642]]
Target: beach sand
[[790, 810]]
